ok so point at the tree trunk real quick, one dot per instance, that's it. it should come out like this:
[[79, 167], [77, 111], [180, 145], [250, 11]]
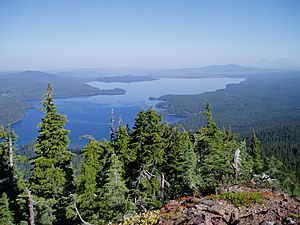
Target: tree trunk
[[162, 186], [77, 211], [30, 205], [10, 152]]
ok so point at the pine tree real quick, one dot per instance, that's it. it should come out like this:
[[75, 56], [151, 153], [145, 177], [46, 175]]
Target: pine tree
[[180, 165], [114, 198], [87, 184], [11, 178], [208, 136], [51, 174], [148, 145], [44, 211], [215, 149], [91, 195], [255, 152], [7, 178], [122, 148], [137, 137], [6, 217]]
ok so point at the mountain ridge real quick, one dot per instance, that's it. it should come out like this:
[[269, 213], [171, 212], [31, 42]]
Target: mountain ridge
[[204, 71]]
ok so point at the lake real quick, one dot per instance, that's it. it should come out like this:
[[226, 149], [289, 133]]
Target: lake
[[91, 115]]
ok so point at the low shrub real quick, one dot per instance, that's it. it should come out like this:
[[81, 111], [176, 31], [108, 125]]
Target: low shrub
[[242, 198]]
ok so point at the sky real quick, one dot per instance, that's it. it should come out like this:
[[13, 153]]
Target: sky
[[70, 34]]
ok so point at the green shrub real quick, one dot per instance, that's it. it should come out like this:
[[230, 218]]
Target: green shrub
[[242, 198], [296, 216]]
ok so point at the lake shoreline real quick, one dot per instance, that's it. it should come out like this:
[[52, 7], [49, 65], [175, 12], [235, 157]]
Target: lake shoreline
[[56, 98], [90, 114]]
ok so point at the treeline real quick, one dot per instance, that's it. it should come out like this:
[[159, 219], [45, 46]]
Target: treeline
[[268, 103], [261, 101], [138, 169], [12, 109], [281, 140]]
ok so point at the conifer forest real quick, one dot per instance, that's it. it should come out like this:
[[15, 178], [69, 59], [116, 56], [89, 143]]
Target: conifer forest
[[136, 170]]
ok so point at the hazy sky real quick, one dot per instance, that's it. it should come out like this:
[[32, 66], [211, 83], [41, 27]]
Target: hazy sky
[[57, 34]]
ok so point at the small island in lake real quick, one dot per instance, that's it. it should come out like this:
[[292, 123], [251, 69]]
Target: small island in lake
[[151, 98]]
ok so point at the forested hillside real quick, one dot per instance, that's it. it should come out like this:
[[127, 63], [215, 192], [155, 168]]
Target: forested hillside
[[268, 103], [138, 169], [282, 141], [16, 89]]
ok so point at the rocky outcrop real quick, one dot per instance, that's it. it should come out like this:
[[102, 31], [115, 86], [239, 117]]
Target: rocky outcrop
[[274, 208]]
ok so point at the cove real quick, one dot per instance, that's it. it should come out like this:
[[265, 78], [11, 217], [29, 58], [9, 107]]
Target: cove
[[91, 115]]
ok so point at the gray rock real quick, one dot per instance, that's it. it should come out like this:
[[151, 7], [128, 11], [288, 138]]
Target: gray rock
[[197, 220], [265, 222], [207, 202], [234, 219], [289, 221]]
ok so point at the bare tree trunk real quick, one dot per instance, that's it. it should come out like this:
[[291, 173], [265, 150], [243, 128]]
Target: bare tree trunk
[[162, 185], [77, 211], [10, 152], [30, 205], [112, 125], [237, 162]]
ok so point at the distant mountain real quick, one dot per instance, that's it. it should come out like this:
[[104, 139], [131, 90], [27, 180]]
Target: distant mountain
[[212, 70], [104, 72], [97, 73], [29, 75], [82, 74], [282, 63]]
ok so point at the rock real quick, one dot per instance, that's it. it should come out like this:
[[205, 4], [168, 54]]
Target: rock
[[207, 202], [195, 200], [191, 212], [217, 210], [265, 222], [234, 219], [288, 220], [180, 220], [197, 220], [275, 209]]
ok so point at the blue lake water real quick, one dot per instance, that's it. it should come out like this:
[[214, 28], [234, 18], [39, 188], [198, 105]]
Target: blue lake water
[[91, 115]]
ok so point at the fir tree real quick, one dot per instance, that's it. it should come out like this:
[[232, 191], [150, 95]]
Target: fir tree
[[122, 148], [114, 199], [148, 145], [87, 183], [44, 211], [92, 180], [6, 217], [137, 137], [215, 149], [180, 165], [51, 174], [11, 177], [7, 178], [255, 152]]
